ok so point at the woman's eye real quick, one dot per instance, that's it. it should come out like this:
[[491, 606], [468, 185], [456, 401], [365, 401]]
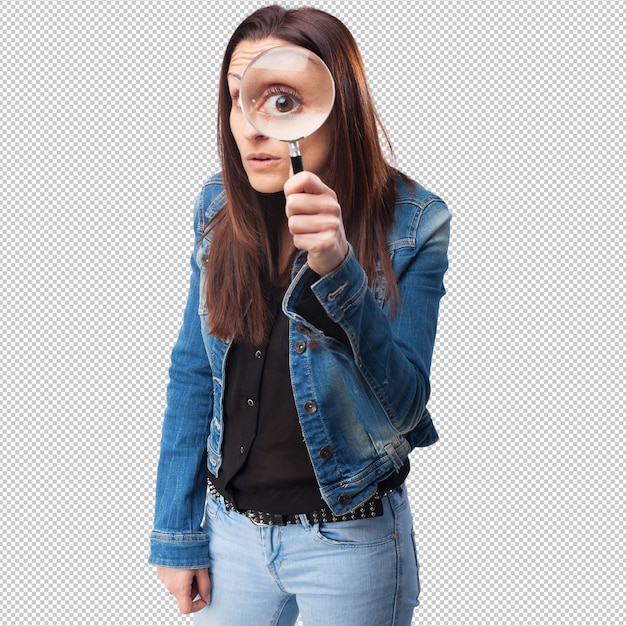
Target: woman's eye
[[282, 103]]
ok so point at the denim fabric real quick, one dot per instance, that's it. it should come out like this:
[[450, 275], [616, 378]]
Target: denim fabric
[[362, 407], [354, 573]]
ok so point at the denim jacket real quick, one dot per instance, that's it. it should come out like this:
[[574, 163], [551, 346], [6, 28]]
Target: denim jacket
[[362, 406]]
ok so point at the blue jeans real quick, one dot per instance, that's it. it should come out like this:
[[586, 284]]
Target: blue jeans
[[354, 573]]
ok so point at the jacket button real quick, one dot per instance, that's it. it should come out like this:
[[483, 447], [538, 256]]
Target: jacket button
[[345, 498], [300, 346], [326, 452], [310, 406]]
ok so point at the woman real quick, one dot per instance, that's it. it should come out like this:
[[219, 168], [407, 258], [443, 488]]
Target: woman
[[299, 381]]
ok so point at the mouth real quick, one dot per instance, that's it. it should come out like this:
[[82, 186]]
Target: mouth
[[262, 161]]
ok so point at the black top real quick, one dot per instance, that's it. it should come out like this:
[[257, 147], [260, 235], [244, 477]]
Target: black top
[[266, 465]]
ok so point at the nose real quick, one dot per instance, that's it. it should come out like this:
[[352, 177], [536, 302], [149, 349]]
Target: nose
[[250, 132]]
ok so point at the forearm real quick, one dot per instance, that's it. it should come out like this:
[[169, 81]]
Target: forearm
[[177, 539]]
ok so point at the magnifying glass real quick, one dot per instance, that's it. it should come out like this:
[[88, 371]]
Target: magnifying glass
[[287, 93]]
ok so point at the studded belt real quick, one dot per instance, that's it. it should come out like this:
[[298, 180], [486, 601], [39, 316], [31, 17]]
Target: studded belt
[[372, 508]]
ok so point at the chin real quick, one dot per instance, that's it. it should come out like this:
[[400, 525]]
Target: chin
[[266, 185]]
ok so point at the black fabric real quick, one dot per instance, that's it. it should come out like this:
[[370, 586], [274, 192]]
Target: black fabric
[[266, 465]]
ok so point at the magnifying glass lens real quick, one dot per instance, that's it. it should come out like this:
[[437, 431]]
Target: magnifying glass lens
[[287, 93]]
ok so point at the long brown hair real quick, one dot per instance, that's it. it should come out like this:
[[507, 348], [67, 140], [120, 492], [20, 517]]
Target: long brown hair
[[243, 260]]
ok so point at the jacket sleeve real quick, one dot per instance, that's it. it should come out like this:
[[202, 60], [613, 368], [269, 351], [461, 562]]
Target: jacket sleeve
[[392, 350], [177, 539]]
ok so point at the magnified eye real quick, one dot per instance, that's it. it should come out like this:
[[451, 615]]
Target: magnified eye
[[283, 103], [280, 101]]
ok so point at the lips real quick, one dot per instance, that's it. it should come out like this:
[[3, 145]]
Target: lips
[[262, 157], [262, 160]]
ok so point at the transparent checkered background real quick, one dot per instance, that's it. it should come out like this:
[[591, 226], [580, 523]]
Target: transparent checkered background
[[512, 112]]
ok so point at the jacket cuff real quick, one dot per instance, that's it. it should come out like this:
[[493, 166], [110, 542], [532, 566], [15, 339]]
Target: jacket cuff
[[190, 551], [343, 288], [335, 292]]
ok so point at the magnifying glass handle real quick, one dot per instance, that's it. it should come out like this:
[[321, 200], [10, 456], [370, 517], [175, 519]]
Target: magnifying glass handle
[[296, 157]]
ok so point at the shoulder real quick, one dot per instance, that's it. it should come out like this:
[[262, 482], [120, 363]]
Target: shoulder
[[417, 213], [411, 196], [209, 201]]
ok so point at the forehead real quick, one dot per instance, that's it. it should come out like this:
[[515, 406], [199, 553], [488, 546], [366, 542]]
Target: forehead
[[248, 50]]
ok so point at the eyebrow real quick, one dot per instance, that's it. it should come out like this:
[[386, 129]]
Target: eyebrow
[[235, 75]]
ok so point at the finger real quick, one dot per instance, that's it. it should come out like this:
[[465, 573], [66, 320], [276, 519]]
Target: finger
[[183, 586], [185, 602], [200, 592], [198, 604], [325, 225], [191, 603], [323, 206], [185, 596], [204, 585], [304, 182]]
